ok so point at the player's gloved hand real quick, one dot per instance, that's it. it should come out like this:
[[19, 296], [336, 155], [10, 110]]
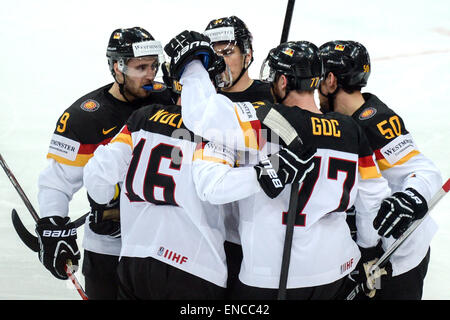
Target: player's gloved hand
[[282, 168], [57, 241], [187, 46], [361, 274], [104, 219], [398, 211]]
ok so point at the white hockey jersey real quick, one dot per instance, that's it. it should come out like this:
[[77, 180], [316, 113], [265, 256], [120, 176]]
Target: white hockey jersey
[[161, 215], [92, 120], [345, 173], [404, 166]]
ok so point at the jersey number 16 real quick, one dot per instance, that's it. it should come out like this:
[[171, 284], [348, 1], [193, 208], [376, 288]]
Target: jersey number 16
[[153, 178]]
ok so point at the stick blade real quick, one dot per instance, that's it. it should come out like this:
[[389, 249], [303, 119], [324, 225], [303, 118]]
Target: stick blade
[[27, 237]]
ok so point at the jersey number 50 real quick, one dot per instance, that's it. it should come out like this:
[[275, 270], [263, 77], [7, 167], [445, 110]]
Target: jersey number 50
[[153, 178]]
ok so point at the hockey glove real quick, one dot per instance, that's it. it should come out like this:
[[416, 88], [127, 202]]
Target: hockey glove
[[104, 219], [57, 241], [369, 256], [187, 46], [282, 168], [398, 211]]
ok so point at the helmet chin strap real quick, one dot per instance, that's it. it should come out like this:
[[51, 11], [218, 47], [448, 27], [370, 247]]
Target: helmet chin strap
[[121, 88], [331, 97], [279, 99], [244, 69]]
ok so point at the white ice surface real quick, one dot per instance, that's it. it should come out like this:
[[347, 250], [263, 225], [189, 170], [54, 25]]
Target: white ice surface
[[53, 52]]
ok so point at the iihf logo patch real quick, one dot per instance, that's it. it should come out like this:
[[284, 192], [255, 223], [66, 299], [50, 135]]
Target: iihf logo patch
[[367, 113], [160, 251], [90, 105]]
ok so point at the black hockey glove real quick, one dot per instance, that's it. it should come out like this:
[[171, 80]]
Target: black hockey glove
[[187, 46], [361, 274], [398, 211], [57, 241], [104, 219], [282, 168]]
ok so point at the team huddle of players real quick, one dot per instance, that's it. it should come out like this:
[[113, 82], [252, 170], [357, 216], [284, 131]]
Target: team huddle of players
[[189, 181]]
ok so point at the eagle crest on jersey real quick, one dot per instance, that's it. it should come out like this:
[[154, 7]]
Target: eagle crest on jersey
[[90, 105], [392, 143]]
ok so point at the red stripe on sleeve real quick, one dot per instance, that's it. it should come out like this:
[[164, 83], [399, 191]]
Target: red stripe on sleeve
[[366, 162]]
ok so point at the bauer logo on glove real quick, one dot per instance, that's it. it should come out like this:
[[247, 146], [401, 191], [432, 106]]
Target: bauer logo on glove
[[59, 233]]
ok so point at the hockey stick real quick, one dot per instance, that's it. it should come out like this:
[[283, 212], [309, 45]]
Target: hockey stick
[[290, 223], [35, 216], [391, 250], [287, 21], [30, 240], [294, 187], [272, 119]]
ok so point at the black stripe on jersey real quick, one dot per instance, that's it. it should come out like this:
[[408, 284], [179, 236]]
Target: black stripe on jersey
[[162, 119], [326, 131], [97, 115], [258, 91]]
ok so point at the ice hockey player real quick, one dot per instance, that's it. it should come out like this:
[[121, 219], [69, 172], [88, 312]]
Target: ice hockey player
[[232, 40], [172, 242], [344, 172], [133, 58], [412, 177]]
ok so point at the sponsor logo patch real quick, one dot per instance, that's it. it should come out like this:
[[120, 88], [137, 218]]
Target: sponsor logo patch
[[64, 147], [246, 111], [220, 34], [218, 151], [147, 48], [172, 255], [398, 148], [346, 266], [90, 105], [367, 113]]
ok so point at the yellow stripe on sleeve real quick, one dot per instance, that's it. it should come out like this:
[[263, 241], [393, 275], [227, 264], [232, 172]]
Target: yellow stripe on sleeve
[[80, 160], [384, 164], [250, 137], [198, 155], [124, 138]]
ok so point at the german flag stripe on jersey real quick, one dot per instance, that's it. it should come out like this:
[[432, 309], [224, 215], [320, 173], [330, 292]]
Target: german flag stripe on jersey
[[124, 136], [367, 168], [252, 132], [85, 152], [383, 164]]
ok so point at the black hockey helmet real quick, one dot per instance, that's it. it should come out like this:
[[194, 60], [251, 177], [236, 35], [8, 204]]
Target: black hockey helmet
[[230, 29], [299, 61], [131, 43], [349, 61]]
